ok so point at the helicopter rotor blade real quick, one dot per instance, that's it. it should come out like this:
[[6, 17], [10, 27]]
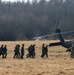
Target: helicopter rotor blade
[[53, 34]]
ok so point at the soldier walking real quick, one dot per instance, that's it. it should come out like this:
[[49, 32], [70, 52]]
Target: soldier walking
[[2, 51], [16, 51], [22, 51], [33, 51], [5, 51], [43, 46], [29, 51], [45, 51]]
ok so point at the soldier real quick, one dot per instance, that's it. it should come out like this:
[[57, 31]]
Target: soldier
[[17, 53], [33, 51], [43, 46], [5, 51], [2, 51], [72, 51], [28, 55], [22, 51], [18, 50], [29, 51], [45, 51]]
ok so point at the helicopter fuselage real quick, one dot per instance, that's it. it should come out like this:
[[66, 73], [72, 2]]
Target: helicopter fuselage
[[66, 44]]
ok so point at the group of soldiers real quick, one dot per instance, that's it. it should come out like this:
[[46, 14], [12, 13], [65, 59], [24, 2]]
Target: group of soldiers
[[31, 51], [3, 51], [19, 52]]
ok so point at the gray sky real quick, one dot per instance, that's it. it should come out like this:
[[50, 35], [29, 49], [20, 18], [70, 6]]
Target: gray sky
[[15, 0]]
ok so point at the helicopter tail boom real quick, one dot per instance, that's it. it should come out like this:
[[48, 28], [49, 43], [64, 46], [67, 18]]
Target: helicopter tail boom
[[55, 44]]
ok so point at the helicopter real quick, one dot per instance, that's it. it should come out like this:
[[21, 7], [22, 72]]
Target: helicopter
[[65, 44]]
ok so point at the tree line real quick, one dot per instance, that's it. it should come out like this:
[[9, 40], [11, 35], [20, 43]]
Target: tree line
[[23, 21]]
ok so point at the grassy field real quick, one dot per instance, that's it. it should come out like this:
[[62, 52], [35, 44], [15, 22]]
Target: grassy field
[[58, 62]]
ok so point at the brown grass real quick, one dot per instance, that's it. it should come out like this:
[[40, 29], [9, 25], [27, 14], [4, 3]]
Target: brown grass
[[58, 63]]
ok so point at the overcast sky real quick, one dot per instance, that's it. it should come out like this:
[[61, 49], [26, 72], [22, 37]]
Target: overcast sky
[[15, 0], [18, 0]]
